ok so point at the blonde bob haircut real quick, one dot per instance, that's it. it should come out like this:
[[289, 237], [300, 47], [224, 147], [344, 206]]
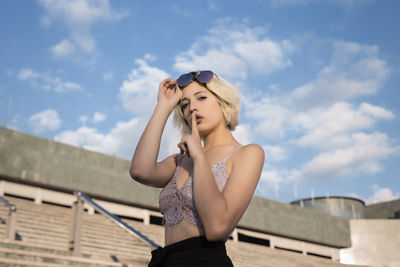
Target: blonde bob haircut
[[228, 99]]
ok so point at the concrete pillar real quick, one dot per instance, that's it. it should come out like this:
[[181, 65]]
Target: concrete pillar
[[235, 235], [1, 188], [272, 243], [10, 231], [76, 228], [146, 217], [90, 209], [38, 196]]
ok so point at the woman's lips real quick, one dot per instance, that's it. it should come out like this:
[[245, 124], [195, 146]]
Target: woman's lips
[[198, 119]]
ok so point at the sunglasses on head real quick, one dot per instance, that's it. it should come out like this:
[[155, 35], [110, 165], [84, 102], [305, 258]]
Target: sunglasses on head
[[203, 76]]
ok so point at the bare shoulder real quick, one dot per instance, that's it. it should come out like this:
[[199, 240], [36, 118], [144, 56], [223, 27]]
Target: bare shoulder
[[249, 156], [252, 151]]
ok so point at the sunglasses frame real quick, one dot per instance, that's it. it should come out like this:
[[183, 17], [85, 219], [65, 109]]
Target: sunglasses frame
[[184, 80]]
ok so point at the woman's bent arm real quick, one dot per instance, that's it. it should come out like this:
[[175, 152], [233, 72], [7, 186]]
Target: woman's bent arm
[[144, 166], [221, 211]]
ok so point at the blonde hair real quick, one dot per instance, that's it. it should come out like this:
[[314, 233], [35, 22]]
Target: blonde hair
[[228, 99]]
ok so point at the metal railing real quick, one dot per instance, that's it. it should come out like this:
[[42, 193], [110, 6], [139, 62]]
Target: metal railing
[[76, 228], [11, 219]]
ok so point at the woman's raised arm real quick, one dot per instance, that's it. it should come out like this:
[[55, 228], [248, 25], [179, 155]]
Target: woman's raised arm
[[144, 166]]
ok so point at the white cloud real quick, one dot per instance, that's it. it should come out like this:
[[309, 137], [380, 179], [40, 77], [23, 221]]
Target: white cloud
[[271, 176], [180, 11], [66, 87], [375, 111], [212, 5], [334, 132], [354, 70], [381, 195], [99, 117], [63, 49], [326, 127], [27, 74], [361, 155], [83, 119], [243, 134], [316, 115], [79, 16], [234, 50], [139, 95], [271, 117], [47, 82], [347, 4], [271, 182], [121, 140], [318, 107], [45, 21], [108, 76], [275, 153], [139, 91], [46, 120]]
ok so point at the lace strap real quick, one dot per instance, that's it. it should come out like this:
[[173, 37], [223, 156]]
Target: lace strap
[[231, 153]]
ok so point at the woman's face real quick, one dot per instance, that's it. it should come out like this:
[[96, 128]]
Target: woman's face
[[197, 99]]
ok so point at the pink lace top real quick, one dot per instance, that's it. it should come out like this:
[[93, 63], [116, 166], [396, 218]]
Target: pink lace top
[[177, 204]]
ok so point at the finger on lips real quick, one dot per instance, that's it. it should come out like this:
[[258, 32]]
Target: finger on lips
[[194, 123]]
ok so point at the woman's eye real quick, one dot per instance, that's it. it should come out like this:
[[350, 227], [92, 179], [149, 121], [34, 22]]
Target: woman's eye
[[183, 106], [202, 98]]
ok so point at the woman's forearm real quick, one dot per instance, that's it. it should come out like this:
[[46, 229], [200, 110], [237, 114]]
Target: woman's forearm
[[210, 203], [147, 149]]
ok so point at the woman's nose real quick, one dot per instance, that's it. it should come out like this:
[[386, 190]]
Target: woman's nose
[[192, 108]]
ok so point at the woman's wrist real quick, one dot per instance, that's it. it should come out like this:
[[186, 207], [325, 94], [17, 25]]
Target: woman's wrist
[[164, 108], [200, 158]]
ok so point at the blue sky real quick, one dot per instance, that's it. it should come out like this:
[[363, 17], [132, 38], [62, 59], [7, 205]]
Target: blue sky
[[318, 80]]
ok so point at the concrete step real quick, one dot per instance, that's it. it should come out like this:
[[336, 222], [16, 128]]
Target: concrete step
[[39, 257], [48, 226], [4, 243]]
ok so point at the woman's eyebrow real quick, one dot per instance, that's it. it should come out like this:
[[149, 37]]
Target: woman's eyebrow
[[198, 92]]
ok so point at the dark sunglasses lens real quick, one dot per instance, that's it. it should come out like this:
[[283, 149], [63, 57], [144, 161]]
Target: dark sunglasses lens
[[204, 76], [184, 79]]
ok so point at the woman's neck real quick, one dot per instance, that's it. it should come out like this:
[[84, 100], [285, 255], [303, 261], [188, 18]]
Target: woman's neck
[[221, 136]]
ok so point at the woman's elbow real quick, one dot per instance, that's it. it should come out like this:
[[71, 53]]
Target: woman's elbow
[[216, 232], [137, 173]]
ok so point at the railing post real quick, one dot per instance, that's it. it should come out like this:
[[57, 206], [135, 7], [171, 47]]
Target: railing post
[[10, 232], [76, 228]]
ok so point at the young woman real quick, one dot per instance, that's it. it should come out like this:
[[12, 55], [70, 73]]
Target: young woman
[[209, 184]]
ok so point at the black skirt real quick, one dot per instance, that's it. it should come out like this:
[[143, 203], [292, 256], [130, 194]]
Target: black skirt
[[193, 252]]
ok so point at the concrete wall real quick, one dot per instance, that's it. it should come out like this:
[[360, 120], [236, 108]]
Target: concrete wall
[[300, 223], [55, 165], [33, 160], [383, 210], [374, 242]]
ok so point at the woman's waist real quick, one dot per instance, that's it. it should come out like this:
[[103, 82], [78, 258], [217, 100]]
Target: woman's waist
[[197, 243], [183, 230], [194, 242]]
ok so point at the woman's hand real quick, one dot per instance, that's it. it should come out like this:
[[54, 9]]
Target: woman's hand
[[191, 144], [168, 93]]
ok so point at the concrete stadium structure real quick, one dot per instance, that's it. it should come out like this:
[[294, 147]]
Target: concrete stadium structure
[[49, 171]]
